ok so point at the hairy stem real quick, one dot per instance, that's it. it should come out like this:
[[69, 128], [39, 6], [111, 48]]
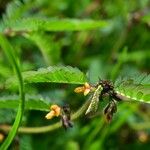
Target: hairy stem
[[43, 129]]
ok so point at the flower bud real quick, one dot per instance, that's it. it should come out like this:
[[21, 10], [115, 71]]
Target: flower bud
[[55, 110]]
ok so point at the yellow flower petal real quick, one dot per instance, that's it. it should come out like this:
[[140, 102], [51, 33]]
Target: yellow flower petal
[[50, 115], [85, 89], [1, 137], [86, 92], [79, 89], [87, 86], [55, 111]]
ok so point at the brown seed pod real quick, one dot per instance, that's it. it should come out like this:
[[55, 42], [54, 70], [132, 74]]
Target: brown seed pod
[[66, 117], [109, 110]]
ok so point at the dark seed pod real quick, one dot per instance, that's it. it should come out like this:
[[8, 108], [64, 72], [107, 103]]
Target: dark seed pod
[[109, 110], [66, 110], [66, 123], [66, 117]]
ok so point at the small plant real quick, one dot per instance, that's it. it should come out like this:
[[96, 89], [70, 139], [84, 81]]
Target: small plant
[[36, 80], [98, 91]]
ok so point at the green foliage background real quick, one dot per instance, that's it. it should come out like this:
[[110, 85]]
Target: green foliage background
[[99, 38]]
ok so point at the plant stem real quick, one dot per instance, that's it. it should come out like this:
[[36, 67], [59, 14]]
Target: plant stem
[[140, 126], [8, 49], [43, 129]]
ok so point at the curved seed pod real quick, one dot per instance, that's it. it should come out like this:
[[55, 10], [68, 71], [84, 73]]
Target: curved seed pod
[[109, 110], [94, 101]]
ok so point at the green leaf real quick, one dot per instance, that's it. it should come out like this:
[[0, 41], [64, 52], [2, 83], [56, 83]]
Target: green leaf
[[25, 142], [31, 103], [45, 24], [49, 49], [15, 9], [68, 75], [134, 79], [9, 118], [134, 88]]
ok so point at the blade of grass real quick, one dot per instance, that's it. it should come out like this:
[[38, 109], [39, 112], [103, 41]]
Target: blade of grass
[[8, 49]]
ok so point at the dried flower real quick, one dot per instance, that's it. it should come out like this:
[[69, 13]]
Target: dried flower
[[66, 117], [109, 111], [1, 137], [86, 88], [64, 112], [55, 110], [142, 136]]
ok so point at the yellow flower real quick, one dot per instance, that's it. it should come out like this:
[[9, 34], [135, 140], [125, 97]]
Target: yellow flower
[[86, 88], [55, 110], [1, 137]]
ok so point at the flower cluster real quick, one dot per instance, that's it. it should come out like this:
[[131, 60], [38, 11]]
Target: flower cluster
[[103, 88], [64, 112], [85, 89], [55, 110]]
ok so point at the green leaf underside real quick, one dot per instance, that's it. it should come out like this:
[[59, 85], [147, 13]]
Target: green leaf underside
[[45, 24], [31, 103], [136, 88], [135, 79], [48, 48], [94, 101], [138, 93], [68, 75]]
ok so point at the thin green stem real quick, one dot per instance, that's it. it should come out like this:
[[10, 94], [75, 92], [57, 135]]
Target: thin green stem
[[9, 51], [94, 132], [140, 126], [43, 129]]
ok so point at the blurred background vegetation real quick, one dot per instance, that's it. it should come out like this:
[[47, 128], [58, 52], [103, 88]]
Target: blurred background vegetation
[[120, 48]]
